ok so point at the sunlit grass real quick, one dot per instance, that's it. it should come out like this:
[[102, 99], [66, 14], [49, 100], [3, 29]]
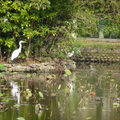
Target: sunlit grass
[[96, 44]]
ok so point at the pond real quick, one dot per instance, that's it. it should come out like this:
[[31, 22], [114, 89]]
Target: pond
[[84, 95]]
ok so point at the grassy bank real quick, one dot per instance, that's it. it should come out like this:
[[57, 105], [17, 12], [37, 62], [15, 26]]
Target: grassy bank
[[97, 51], [84, 43]]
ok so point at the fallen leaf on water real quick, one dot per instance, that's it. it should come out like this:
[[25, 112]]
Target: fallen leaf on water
[[92, 93], [89, 118], [27, 93], [41, 94], [59, 87], [116, 104], [53, 94], [67, 72], [16, 106], [21, 118]]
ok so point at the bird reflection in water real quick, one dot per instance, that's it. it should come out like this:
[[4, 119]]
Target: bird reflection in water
[[15, 91], [92, 68]]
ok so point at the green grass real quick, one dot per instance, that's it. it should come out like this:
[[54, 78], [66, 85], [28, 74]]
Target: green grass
[[87, 43]]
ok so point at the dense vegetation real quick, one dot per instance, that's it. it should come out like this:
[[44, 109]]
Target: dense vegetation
[[50, 27]]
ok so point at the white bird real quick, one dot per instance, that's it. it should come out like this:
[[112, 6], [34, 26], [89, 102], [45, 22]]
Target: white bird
[[70, 54], [17, 51]]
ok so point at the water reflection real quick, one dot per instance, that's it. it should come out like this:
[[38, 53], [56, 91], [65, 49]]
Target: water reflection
[[83, 95], [15, 91]]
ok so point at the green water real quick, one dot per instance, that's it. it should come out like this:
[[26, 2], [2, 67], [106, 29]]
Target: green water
[[84, 95]]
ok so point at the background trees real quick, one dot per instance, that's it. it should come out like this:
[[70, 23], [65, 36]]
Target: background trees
[[50, 27]]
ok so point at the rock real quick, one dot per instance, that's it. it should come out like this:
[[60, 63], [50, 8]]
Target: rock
[[47, 67]]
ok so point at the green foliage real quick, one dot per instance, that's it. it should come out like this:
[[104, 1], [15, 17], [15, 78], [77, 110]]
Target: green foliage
[[40, 4], [27, 93], [1, 94], [67, 72], [20, 118], [16, 105], [111, 29], [1, 66], [107, 45], [59, 87], [50, 27], [115, 104], [41, 94]]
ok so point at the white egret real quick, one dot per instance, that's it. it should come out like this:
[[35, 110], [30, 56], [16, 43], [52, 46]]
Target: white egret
[[70, 54], [17, 51]]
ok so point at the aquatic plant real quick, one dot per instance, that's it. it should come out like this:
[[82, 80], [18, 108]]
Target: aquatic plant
[[1, 66], [41, 94], [67, 72]]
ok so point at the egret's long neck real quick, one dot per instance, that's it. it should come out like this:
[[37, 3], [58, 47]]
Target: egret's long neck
[[20, 46]]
